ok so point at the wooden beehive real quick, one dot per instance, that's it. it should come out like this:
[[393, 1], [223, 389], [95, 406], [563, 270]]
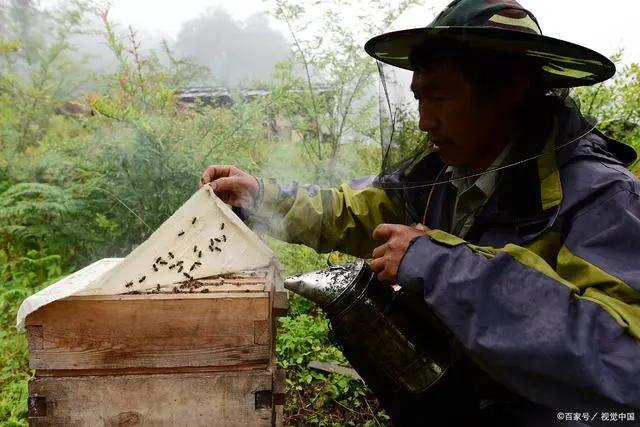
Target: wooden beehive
[[201, 357]]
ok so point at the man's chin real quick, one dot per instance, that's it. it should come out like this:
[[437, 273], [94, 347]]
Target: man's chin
[[449, 157]]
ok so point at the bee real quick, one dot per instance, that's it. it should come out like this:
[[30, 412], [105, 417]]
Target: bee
[[193, 221], [180, 233], [187, 275], [224, 238], [217, 240], [199, 254], [158, 287], [163, 263], [195, 249], [211, 242], [172, 266], [142, 279], [205, 291], [192, 267], [179, 262], [171, 255], [180, 269], [197, 263], [175, 290], [218, 249], [211, 248], [155, 267], [158, 259], [128, 285], [222, 226]]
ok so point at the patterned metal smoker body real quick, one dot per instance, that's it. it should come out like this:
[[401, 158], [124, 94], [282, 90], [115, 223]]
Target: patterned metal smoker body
[[389, 336]]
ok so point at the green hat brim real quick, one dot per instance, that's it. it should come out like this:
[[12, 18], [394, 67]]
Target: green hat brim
[[564, 64]]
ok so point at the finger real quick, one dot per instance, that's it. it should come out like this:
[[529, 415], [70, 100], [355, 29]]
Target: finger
[[231, 184], [384, 276], [383, 232], [216, 171], [377, 265], [422, 227], [379, 251], [226, 198]]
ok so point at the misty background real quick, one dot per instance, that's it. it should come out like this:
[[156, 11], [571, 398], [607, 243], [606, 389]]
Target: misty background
[[241, 41], [233, 50]]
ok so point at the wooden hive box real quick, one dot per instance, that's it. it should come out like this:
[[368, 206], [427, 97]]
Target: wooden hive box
[[201, 357]]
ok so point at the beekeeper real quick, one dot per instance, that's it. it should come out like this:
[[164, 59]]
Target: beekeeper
[[517, 219]]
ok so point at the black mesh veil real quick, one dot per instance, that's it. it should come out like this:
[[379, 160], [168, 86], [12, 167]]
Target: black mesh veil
[[403, 145], [400, 138]]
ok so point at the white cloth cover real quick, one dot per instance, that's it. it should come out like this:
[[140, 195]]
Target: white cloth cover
[[238, 249]]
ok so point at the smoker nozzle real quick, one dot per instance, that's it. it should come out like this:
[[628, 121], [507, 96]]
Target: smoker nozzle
[[325, 286]]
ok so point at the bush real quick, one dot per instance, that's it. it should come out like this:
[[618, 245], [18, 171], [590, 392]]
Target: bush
[[19, 278]]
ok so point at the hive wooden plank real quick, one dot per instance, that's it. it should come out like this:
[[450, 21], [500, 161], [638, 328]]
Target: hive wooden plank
[[151, 331], [224, 399], [148, 371]]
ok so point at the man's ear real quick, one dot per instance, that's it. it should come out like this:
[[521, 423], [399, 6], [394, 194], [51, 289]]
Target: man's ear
[[518, 91], [511, 96]]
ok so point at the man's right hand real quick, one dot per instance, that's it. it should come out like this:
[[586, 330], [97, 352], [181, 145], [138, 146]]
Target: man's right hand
[[232, 185]]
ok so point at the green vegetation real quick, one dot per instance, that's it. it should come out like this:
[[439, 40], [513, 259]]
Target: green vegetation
[[75, 188]]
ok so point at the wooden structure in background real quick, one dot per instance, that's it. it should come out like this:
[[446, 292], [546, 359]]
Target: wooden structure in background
[[205, 358]]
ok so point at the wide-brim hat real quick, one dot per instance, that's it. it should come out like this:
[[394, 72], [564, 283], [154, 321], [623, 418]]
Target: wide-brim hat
[[501, 25]]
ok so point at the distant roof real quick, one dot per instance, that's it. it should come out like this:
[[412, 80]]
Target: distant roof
[[207, 91], [219, 91]]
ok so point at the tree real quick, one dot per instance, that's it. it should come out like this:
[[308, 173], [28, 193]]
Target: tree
[[331, 78], [616, 103], [37, 72]]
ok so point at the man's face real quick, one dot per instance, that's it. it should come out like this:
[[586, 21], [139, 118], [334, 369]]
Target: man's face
[[464, 128]]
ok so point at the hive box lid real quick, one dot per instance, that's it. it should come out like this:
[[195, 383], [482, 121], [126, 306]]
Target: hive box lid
[[203, 238]]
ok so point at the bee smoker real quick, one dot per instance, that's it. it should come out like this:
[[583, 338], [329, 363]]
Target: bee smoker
[[407, 357]]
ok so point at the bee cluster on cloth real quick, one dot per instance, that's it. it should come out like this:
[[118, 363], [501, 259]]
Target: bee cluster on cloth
[[192, 284]]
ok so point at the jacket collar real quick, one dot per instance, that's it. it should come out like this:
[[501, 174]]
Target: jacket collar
[[532, 192], [486, 182]]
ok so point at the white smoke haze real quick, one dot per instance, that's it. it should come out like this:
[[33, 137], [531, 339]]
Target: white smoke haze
[[240, 42]]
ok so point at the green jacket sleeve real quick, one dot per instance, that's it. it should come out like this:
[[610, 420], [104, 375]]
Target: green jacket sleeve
[[341, 218]]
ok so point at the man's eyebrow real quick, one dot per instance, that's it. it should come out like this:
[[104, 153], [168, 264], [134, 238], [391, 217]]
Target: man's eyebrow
[[428, 87]]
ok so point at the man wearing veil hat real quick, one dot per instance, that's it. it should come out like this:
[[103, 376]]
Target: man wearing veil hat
[[518, 221]]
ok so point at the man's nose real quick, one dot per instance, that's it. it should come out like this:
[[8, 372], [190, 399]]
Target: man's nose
[[428, 120]]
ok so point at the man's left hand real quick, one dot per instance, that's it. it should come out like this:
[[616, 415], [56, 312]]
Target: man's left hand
[[393, 240]]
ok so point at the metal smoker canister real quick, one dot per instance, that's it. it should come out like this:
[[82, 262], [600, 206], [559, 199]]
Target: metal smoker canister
[[394, 342], [386, 327]]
